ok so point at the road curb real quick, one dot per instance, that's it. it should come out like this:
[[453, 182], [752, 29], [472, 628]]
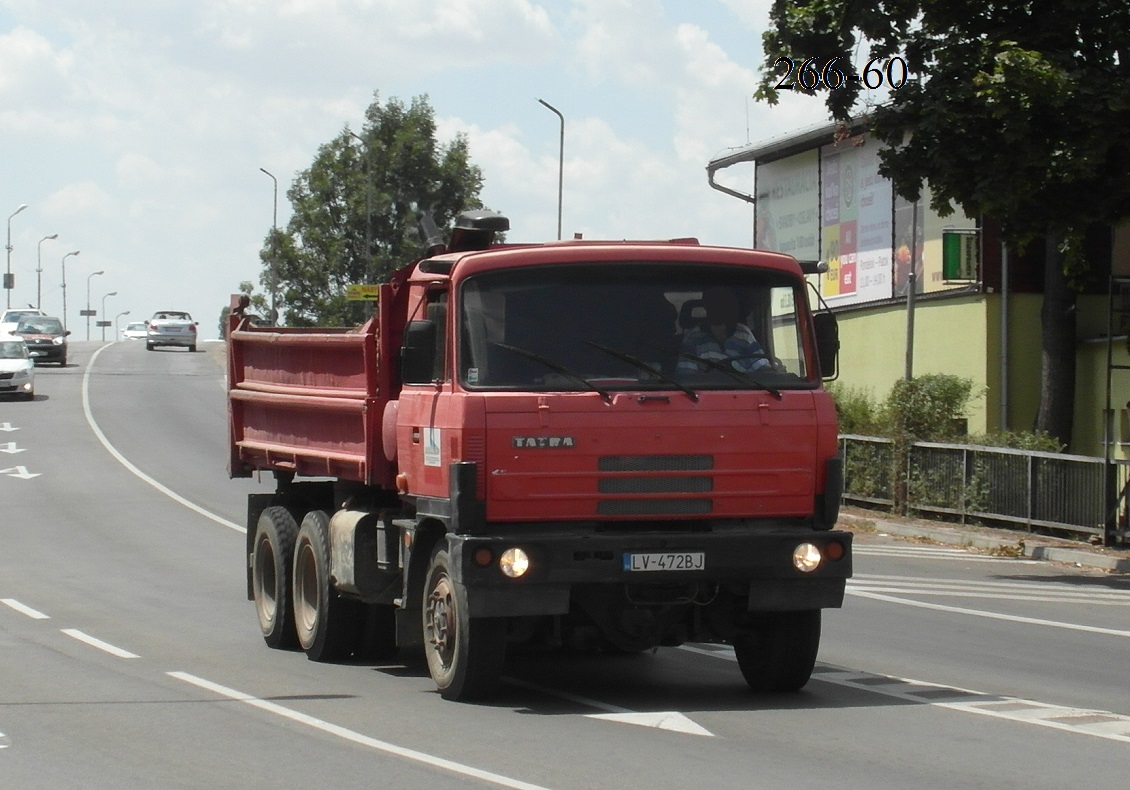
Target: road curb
[[1022, 543]]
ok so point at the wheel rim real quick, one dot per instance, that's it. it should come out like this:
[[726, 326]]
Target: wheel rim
[[441, 620], [306, 591], [265, 582]]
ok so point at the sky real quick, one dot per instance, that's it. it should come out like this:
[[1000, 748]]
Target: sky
[[136, 129]]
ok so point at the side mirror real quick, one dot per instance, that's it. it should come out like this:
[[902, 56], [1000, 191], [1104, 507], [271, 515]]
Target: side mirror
[[417, 355], [827, 343]]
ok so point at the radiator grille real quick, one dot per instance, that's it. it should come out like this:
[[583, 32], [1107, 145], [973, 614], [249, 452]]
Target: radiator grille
[[656, 463], [683, 484], [654, 507]]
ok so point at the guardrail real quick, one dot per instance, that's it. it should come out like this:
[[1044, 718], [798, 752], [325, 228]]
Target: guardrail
[[1052, 491]]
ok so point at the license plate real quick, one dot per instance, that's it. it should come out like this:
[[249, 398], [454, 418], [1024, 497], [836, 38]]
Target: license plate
[[665, 561]]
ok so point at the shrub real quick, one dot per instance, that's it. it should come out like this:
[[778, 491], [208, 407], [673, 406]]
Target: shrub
[[856, 410]]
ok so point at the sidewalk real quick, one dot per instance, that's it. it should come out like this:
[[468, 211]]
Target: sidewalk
[[1000, 541]]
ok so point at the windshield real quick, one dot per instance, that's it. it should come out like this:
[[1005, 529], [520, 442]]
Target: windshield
[[632, 325], [41, 326], [13, 350]]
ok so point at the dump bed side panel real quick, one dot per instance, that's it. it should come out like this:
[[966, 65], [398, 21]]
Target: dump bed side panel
[[307, 401]]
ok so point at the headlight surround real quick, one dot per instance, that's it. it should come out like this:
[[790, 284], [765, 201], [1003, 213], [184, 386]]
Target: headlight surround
[[58, 340]]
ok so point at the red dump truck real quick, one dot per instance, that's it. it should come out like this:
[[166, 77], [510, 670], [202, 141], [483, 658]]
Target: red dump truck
[[538, 442]]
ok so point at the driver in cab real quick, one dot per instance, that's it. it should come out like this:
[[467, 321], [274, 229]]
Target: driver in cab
[[721, 336]]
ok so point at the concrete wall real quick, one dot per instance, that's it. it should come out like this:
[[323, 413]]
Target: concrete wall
[[961, 336]]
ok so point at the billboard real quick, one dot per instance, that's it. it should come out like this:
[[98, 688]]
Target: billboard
[[830, 203], [786, 217]]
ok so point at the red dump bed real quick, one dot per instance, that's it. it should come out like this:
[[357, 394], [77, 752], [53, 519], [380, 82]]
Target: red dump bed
[[308, 401]]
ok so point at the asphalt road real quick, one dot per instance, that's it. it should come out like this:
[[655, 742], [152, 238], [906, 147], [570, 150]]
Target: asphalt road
[[130, 657]]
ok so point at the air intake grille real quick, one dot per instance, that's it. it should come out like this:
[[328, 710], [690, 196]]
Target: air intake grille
[[683, 484], [654, 507], [656, 463]]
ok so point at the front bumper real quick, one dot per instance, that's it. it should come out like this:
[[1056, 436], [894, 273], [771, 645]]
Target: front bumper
[[758, 560]]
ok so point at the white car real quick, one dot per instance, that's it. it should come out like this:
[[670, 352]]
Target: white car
[[17, 368], [135, 330], [9, 319], [171, 328]]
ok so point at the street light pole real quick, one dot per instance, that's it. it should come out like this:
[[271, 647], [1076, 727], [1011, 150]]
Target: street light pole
[[69, 254], [119, 315], [9, 281], [368, 208], [273, 279], [39, 272], [92, 274], [103, 314], [560, 162]]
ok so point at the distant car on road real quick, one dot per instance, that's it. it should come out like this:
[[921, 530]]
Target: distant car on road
[[10, 319], [171, 328], [45, 337], [135, 330], [17, 370]]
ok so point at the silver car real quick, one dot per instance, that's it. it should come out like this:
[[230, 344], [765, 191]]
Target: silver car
[[171, 328], [17, 369]]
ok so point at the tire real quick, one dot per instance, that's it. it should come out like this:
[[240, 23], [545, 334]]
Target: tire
[[192, 349], [272, 557], [780, 653], [149, 346], [327, 625], [464, 655]]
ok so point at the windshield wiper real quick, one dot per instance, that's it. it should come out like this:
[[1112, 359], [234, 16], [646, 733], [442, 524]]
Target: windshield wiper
[[725, 367], [639, 363], [556, 368]]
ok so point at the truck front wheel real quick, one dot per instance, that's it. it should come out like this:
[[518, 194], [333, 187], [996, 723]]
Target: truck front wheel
[[465, 656], [780, 651], [271, 560], [327, 624]]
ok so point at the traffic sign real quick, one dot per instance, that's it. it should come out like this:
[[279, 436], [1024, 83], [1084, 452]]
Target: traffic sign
[[362, 293]]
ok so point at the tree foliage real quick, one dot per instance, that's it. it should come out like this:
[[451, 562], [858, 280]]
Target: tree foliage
[[355, 208], [1016, 109]]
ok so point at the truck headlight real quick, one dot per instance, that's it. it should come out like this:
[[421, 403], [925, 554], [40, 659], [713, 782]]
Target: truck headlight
[[806, 557], [514, 563]]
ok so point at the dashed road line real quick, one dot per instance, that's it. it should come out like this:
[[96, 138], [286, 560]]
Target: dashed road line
[[74, 633], [1082, 721], [355, 737], [24, 609]]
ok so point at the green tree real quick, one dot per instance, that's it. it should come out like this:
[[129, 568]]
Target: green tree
[[1016, 109], [355, 210]]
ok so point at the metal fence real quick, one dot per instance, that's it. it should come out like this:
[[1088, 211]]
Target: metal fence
[[1052, 491]]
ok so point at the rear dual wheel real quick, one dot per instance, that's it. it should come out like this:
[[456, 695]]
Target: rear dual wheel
[[271, 559], [328, 626]]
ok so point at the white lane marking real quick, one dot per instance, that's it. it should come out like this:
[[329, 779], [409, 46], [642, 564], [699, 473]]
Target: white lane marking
[[660, 720], [20, 472], [98, 643], [355, 737], [11, 449], [23, 609], [7, 427], [1052, 592], [1083, 721], [137, 472], [990, 615]]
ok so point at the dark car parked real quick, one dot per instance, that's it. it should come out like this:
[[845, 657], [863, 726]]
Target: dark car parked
[[45, 337]]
